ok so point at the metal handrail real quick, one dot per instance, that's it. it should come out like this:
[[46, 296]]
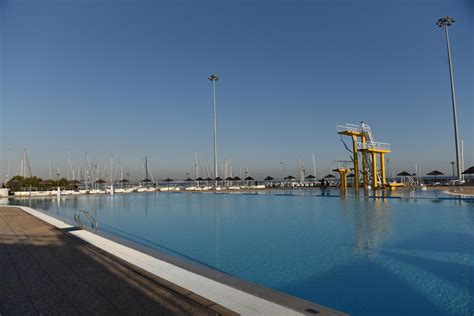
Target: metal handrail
[[342, 164], [373, 145], [349, 128], [77, 218]]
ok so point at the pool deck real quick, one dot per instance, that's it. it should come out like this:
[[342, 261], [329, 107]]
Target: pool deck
[[49, 267], [44, 270]]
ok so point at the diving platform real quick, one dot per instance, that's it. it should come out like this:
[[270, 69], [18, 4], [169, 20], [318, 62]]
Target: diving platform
[[364, 145]]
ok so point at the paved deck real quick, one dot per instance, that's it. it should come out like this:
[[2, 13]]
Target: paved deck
[[44, 270]]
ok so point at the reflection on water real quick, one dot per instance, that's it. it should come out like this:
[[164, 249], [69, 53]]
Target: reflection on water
[[350, 253], [371, 222]]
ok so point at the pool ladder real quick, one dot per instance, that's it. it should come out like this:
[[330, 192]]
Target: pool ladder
[[80, 224]]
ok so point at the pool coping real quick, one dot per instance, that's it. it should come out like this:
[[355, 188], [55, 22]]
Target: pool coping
[[233, 293]]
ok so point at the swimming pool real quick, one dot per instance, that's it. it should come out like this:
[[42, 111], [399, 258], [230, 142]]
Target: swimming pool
[[364, 256]]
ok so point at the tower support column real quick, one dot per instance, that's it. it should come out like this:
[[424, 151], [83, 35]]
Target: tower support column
[[382, 170], [374, 171]]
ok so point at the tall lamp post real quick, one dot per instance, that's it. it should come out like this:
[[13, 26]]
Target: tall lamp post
[[454, 174], [445, 22], [214, 78]]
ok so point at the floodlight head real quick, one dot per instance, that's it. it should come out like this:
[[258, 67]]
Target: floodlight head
[[446, 21], [213, 77]]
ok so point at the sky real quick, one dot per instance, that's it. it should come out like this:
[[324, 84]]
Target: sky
[[121, 80]]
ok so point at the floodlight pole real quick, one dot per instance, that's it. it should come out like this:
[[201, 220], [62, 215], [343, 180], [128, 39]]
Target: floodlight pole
[[454, 174], [214, 78], [445, 22]]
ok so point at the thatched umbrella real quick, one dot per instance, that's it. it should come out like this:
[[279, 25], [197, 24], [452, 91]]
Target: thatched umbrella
[[188, 180], [268, 178], [229, 180], [146, 181], [168, 180], [198, 180], [403, 174], [100, 182], [435, 173], [469, 171], [236, 179], [290, 177], [217, 179], [310, 177], [329, 176]]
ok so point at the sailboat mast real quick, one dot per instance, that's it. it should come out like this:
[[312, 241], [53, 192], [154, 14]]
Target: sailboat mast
[[314, 166], [67, 165], [121, 177], [8, 166], [50, 174], [146, 168], [27, 163], [196, 167]]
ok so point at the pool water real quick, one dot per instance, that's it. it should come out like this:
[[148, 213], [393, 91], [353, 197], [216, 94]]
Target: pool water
[[363, 256]]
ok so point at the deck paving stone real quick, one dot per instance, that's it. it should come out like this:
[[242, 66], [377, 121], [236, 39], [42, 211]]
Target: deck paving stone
[[46, 271]]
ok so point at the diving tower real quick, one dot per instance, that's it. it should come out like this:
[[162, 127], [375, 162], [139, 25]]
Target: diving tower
[[363, 143]]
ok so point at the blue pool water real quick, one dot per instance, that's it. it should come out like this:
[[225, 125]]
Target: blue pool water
[[363, 256]]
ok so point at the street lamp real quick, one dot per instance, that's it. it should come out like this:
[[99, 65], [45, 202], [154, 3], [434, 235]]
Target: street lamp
[[453, 163], [214, 78], [445, 22]]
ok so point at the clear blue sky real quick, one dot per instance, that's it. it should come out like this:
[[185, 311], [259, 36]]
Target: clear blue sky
[[129, 79]]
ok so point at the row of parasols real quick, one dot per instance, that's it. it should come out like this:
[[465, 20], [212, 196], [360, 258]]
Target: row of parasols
[[269, 178], [310, 177], [435, 173]]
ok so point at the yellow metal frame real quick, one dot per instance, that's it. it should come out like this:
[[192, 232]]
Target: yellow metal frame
[[372, 151], [343, 174]]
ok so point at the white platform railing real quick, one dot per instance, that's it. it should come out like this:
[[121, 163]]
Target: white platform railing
[[373, 145], [349, 128]]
